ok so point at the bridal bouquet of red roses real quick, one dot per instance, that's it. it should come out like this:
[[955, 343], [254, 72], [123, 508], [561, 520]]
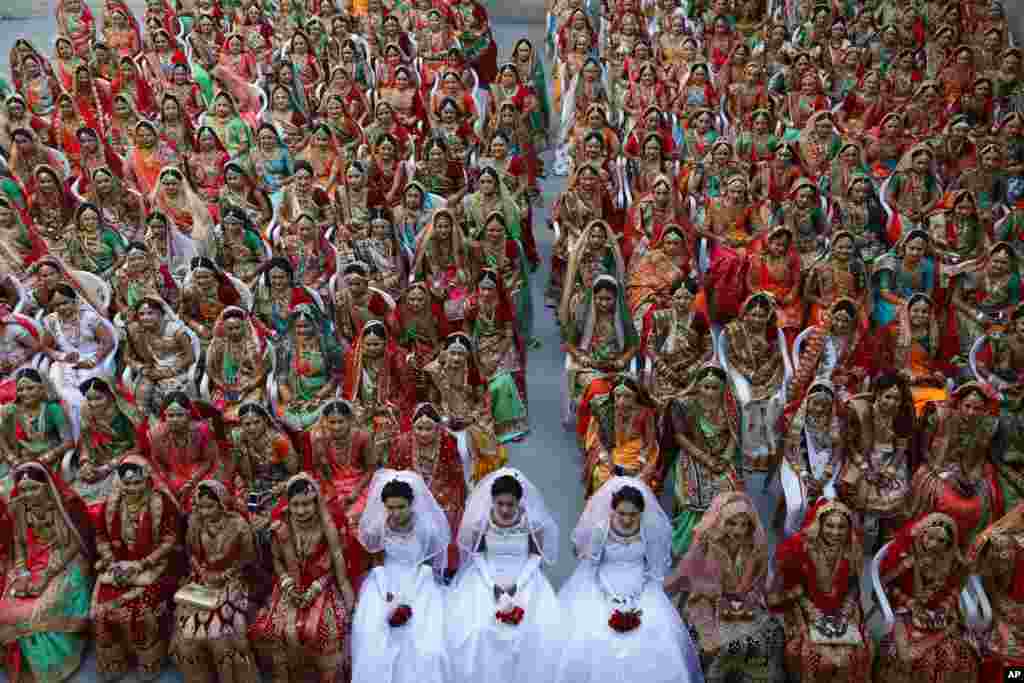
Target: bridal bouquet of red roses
[[511, 616], [623, 622], [399, 615]]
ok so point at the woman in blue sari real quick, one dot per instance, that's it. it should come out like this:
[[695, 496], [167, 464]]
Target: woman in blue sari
[[271, 161], [907, 270]]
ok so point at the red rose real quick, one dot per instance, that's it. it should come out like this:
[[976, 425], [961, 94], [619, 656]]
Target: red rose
[[401, 616], [512, 617], [623, 622]]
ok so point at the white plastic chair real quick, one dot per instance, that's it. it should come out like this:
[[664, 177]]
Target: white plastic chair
[[97, 288], [968, 603]]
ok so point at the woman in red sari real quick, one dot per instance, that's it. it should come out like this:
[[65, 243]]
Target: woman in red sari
[[340, 457], [996, 555], [75, 22], [65, 123], [419, 325], [137, 542], [923, 573], [957, 477], [428, 449], [775, 268], [185, 448], [307, 620], [93, 98], [816, 588], [44, 610], [375, 384]]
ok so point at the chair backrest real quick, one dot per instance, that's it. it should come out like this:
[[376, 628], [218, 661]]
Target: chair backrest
[[96, 289]]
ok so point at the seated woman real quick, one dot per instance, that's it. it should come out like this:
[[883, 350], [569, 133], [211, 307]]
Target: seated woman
[[236, 246], [910, 268], [308, 366], [356, 303], [35, 426], [700, 442], [207, 292], [623, 622], [111, 427], [339, 454], [752, 351], [996, 557], [725, 573], [957, 476], [922, 350], [406, 531], [621, 437], [505, 537], [839, 351], [312, 591], [461, 394], [238, 362], [184, 447], [816, 588], [491, 321], [90, 245], [312, 256], [984, 296], [430, 451], [263, 457], [44, 611], [774, 267], [78, 342], [923, 571], [877, 437], [678, 340], [374, 382], [912, 192], [654, 276], [957, 231], [210, 615], [593, 254], [840, 274], [141, 275], [159, 353], [137, 538], [441, 262], [599, 341]]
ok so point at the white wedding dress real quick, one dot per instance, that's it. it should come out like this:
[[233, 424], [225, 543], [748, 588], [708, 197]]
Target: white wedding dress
[[415, 652], [658, 651], [480, 647]]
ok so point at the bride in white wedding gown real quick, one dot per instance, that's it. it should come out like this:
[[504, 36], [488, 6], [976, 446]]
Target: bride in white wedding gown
[[504, 623], [398, 628], [624, 628]]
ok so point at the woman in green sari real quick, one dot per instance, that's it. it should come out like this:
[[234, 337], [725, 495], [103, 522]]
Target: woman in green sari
[[91, 245], [109, 422], [308, 367], [701, 443], [44, 610], [531, 71], [35, 426], [225, 121]]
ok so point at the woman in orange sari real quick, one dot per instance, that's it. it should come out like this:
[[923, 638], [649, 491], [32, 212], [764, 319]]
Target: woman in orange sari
[[922, 349], [149, 156], [775, 268], [654, 276]]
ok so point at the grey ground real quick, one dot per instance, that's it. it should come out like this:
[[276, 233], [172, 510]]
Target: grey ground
[[549, 456]]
